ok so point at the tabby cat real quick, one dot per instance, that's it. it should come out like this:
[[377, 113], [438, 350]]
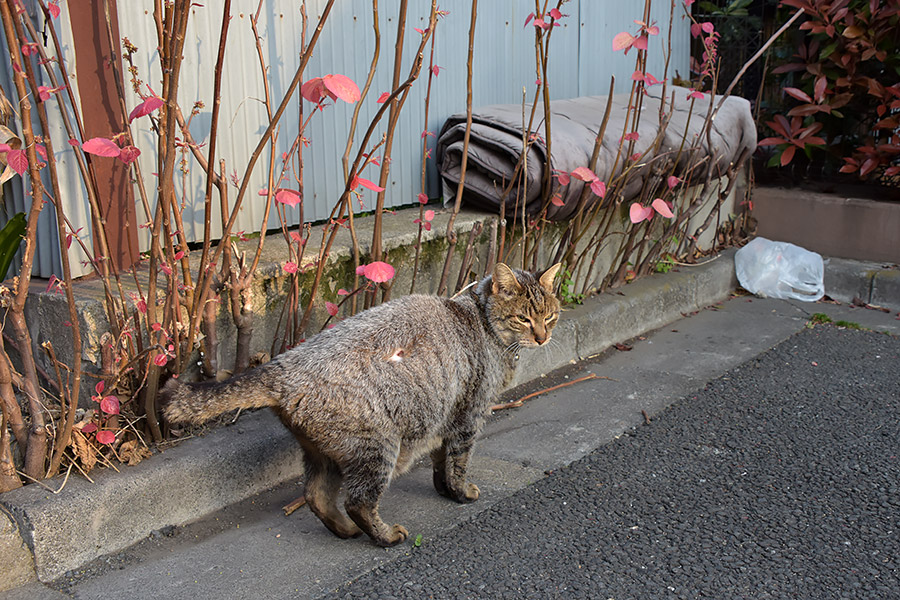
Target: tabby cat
[[367, 397]]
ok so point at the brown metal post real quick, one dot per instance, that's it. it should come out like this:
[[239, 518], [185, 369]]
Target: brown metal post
[[100, 109]]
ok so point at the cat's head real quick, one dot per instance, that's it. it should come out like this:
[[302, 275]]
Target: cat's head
[[521, 306]]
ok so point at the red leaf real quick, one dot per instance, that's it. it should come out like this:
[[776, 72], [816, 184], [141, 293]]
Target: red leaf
[[357, 181], [868, 165], [383, 98], [423, 198], [707, 27], [101, 147], [672, 181], [654, 30], [787, 155], [622, 41], [146, 107], [771, 141], [290, 267], [161, 360], [631, 137], [342, 87], [343, 292], [556, 200], [17, 160], [660, 206], [640, 42], [99, 387], [89, 428], [798, 94], [528, 19], [129, 154], [106, 437], [314, 90], [554, 12], [74, 142], [429, 215], [378, 271], [584, 174], [562, 177], [332, 308], [43, 93], [697, 95], [598, 187], [289, 197], [53, 9], [110, 405], [638, 212]]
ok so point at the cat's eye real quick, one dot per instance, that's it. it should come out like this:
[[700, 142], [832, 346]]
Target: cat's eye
[[523, 319], [551, 318]]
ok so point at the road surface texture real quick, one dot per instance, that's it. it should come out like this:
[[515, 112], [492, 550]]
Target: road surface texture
[[779, 479]]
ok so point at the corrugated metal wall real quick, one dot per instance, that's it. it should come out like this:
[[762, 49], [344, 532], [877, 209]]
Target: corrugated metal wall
[[582, 61]]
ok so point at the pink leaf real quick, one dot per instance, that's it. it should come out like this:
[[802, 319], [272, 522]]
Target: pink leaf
[[660, 206], [654, 30], [641, 42], [379, 271], [343, 292], [314, 90], [599, 188], [41, 150], [160, 360], [554, 12], [672, 181], [528, 19], [74, 142], [53, 9], [707, 27], [4, 147], [179, 255], [697, 95], [361, 270], [17, 160], [342, 87], [129, 154], [631, 137], [289, 197], [584, 174], [542, 24], [110, 405], [146, 107], [290, 267], [557, 200], [101, 147], [623, 41], [43, 93], [332, 308], [695, 29], [383, 98], [435, 70], [89, 428], [99, 387], [429, 215], [106, 437], [423, 198], [562, 177], [637, 75], [638, 212], [357, 181]]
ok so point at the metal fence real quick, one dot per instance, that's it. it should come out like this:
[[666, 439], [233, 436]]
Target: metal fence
[[582, 62]]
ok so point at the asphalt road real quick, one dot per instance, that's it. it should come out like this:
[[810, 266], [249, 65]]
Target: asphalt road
[[779, 479]]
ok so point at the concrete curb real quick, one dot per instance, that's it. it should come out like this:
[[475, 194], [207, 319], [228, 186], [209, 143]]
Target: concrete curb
[[84, 521], [872, 282]]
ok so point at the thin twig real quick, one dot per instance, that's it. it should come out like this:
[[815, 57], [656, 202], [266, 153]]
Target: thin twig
[[520, 401]]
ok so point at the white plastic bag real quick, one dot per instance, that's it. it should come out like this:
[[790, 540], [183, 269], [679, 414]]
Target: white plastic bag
[[780, 270]]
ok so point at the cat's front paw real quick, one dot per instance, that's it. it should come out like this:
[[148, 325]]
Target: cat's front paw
[[469, 493], [398, 534]]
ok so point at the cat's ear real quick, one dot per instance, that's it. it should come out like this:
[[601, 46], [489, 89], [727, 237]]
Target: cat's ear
[[546, 279], [504, 280]]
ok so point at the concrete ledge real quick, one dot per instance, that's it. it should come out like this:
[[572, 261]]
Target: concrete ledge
[[85, 520], [871, 282]]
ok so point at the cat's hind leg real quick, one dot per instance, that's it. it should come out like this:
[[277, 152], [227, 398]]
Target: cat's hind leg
[[366, 477], [323, 484]]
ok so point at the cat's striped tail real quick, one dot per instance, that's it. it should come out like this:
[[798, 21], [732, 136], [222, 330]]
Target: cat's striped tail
[[199, 402]]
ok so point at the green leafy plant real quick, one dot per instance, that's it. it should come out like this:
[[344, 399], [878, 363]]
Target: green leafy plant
[[10, 239], [567, 288], [843, 80]]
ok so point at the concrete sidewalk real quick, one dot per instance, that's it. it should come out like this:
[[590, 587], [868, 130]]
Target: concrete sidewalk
[[67, 530]]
